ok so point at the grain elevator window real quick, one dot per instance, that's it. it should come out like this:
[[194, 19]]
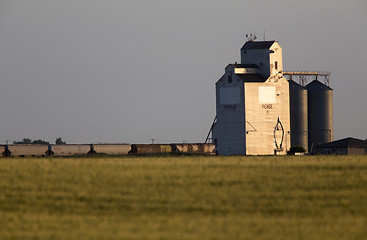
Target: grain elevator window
[[276, 65]]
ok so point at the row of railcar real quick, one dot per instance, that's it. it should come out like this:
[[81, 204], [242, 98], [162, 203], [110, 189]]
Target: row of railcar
[[67, 150]]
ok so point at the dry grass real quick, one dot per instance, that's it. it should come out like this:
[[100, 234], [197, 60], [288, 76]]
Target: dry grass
[[184, 198]]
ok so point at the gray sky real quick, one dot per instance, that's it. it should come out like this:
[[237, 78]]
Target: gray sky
[[133, 70]]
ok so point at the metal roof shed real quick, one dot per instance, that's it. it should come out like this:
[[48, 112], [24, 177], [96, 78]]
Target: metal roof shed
[[346, 146]]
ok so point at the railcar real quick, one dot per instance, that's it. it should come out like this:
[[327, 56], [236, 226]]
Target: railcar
[[110, 149], [70, 150], [199, 148], [24, 150], [67, 150], [150, 148]]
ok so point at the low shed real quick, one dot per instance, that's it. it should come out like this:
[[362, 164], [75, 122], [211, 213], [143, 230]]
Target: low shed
[[346, 146]]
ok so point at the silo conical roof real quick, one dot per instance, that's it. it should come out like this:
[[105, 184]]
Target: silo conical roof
[[295, 86], [317, 85]]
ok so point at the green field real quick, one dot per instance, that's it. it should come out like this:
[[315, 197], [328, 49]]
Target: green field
[[300, 197]]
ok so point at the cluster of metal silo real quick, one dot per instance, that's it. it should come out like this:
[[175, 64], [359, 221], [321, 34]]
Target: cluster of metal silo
[[311, 110], [298, 111], [320, 114]]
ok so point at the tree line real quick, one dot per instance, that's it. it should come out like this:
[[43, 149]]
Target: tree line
[[58, 141]]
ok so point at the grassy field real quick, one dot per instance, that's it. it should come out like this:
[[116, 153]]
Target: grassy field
[[182, 197]]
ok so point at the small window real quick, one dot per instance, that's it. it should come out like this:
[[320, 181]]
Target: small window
[[276, 65], [229, 79]]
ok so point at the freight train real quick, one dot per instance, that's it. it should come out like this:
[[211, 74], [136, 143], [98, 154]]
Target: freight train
[[68, 150]]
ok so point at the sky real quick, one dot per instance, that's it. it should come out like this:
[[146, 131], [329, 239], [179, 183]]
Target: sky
[[128, 71]]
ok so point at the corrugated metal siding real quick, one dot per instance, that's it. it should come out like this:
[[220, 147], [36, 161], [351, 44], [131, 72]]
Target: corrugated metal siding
[[356, 151]]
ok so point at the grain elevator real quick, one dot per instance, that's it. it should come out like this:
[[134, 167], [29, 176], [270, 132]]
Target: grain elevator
[[252, 103], [261, 112]]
